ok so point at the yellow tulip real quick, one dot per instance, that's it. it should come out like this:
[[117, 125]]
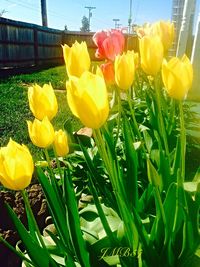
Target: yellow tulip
[[61, 143], [16, 166], [177, 76], [151, 53], [77, 59], [88, 99], [125, 70], [166, 32], [42, 101], [41, 132]]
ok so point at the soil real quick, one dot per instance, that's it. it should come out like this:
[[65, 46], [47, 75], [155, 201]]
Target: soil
[[7, 229]]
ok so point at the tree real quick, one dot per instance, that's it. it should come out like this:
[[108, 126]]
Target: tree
[[2, 12], [66, 28], [85, 24]]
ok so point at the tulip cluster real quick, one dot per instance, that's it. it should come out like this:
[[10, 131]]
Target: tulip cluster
[[177, 74], [43, 104], [86, 92], [110, 44], [163, 29], [121, 157]]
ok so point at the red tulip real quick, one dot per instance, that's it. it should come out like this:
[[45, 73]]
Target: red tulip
[[109, 43], [108, 72]]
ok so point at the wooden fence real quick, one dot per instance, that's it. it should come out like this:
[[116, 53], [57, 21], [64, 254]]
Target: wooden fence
[[25, 45]]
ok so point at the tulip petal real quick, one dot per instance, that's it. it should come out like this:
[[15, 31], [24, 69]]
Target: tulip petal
[[16, 166]]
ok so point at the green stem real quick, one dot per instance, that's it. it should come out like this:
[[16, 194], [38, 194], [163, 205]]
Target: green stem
[[101, 146], [48, 161], [133, 117], [183, 142], [119, 116], [111, 166], [52, 178], [160, 117], [28, 207], [181, 171], [58, 164], [160, 205]]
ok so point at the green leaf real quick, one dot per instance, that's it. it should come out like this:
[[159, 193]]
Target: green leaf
[[95, 226], [153, 176], [35, 252], [99, 181], [165, 171], [177, 157], [191, 186], [197, 176], [191, 235], [100, 210], [148, 140], [68, 126], [131, 185], [57, 211], [57, 241], [74, 222], [120, 231]]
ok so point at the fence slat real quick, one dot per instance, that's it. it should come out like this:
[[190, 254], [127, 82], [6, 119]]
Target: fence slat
[[25, 44]]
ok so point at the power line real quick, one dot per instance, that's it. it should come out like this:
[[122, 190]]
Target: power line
[[13, 2], [102, 22], [37, 10]]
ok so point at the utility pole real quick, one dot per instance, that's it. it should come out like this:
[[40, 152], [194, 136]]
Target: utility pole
[[44, 13], [116, 20], [90, 13], [130, 18]]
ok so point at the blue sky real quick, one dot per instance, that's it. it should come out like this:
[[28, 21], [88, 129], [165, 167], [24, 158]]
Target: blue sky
[[68, 12]]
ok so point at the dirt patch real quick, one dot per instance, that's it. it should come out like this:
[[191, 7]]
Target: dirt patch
[[7, 229]]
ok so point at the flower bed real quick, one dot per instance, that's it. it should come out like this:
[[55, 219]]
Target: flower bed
[[129, 160]]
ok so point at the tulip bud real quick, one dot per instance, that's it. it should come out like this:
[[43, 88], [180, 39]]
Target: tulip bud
[[125, 70], [177, 76], [165, 30], [61, 143], [42, 101], [88, 99], [41, 132], [151, 52], [16, 166], [77, 59]]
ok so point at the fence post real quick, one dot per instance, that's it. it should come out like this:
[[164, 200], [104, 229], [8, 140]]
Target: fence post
[[185, 24], [35, 33], [195, 58]]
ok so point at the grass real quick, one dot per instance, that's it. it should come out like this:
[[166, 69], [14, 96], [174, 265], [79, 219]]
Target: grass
[[57, 76], [14, 109]]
